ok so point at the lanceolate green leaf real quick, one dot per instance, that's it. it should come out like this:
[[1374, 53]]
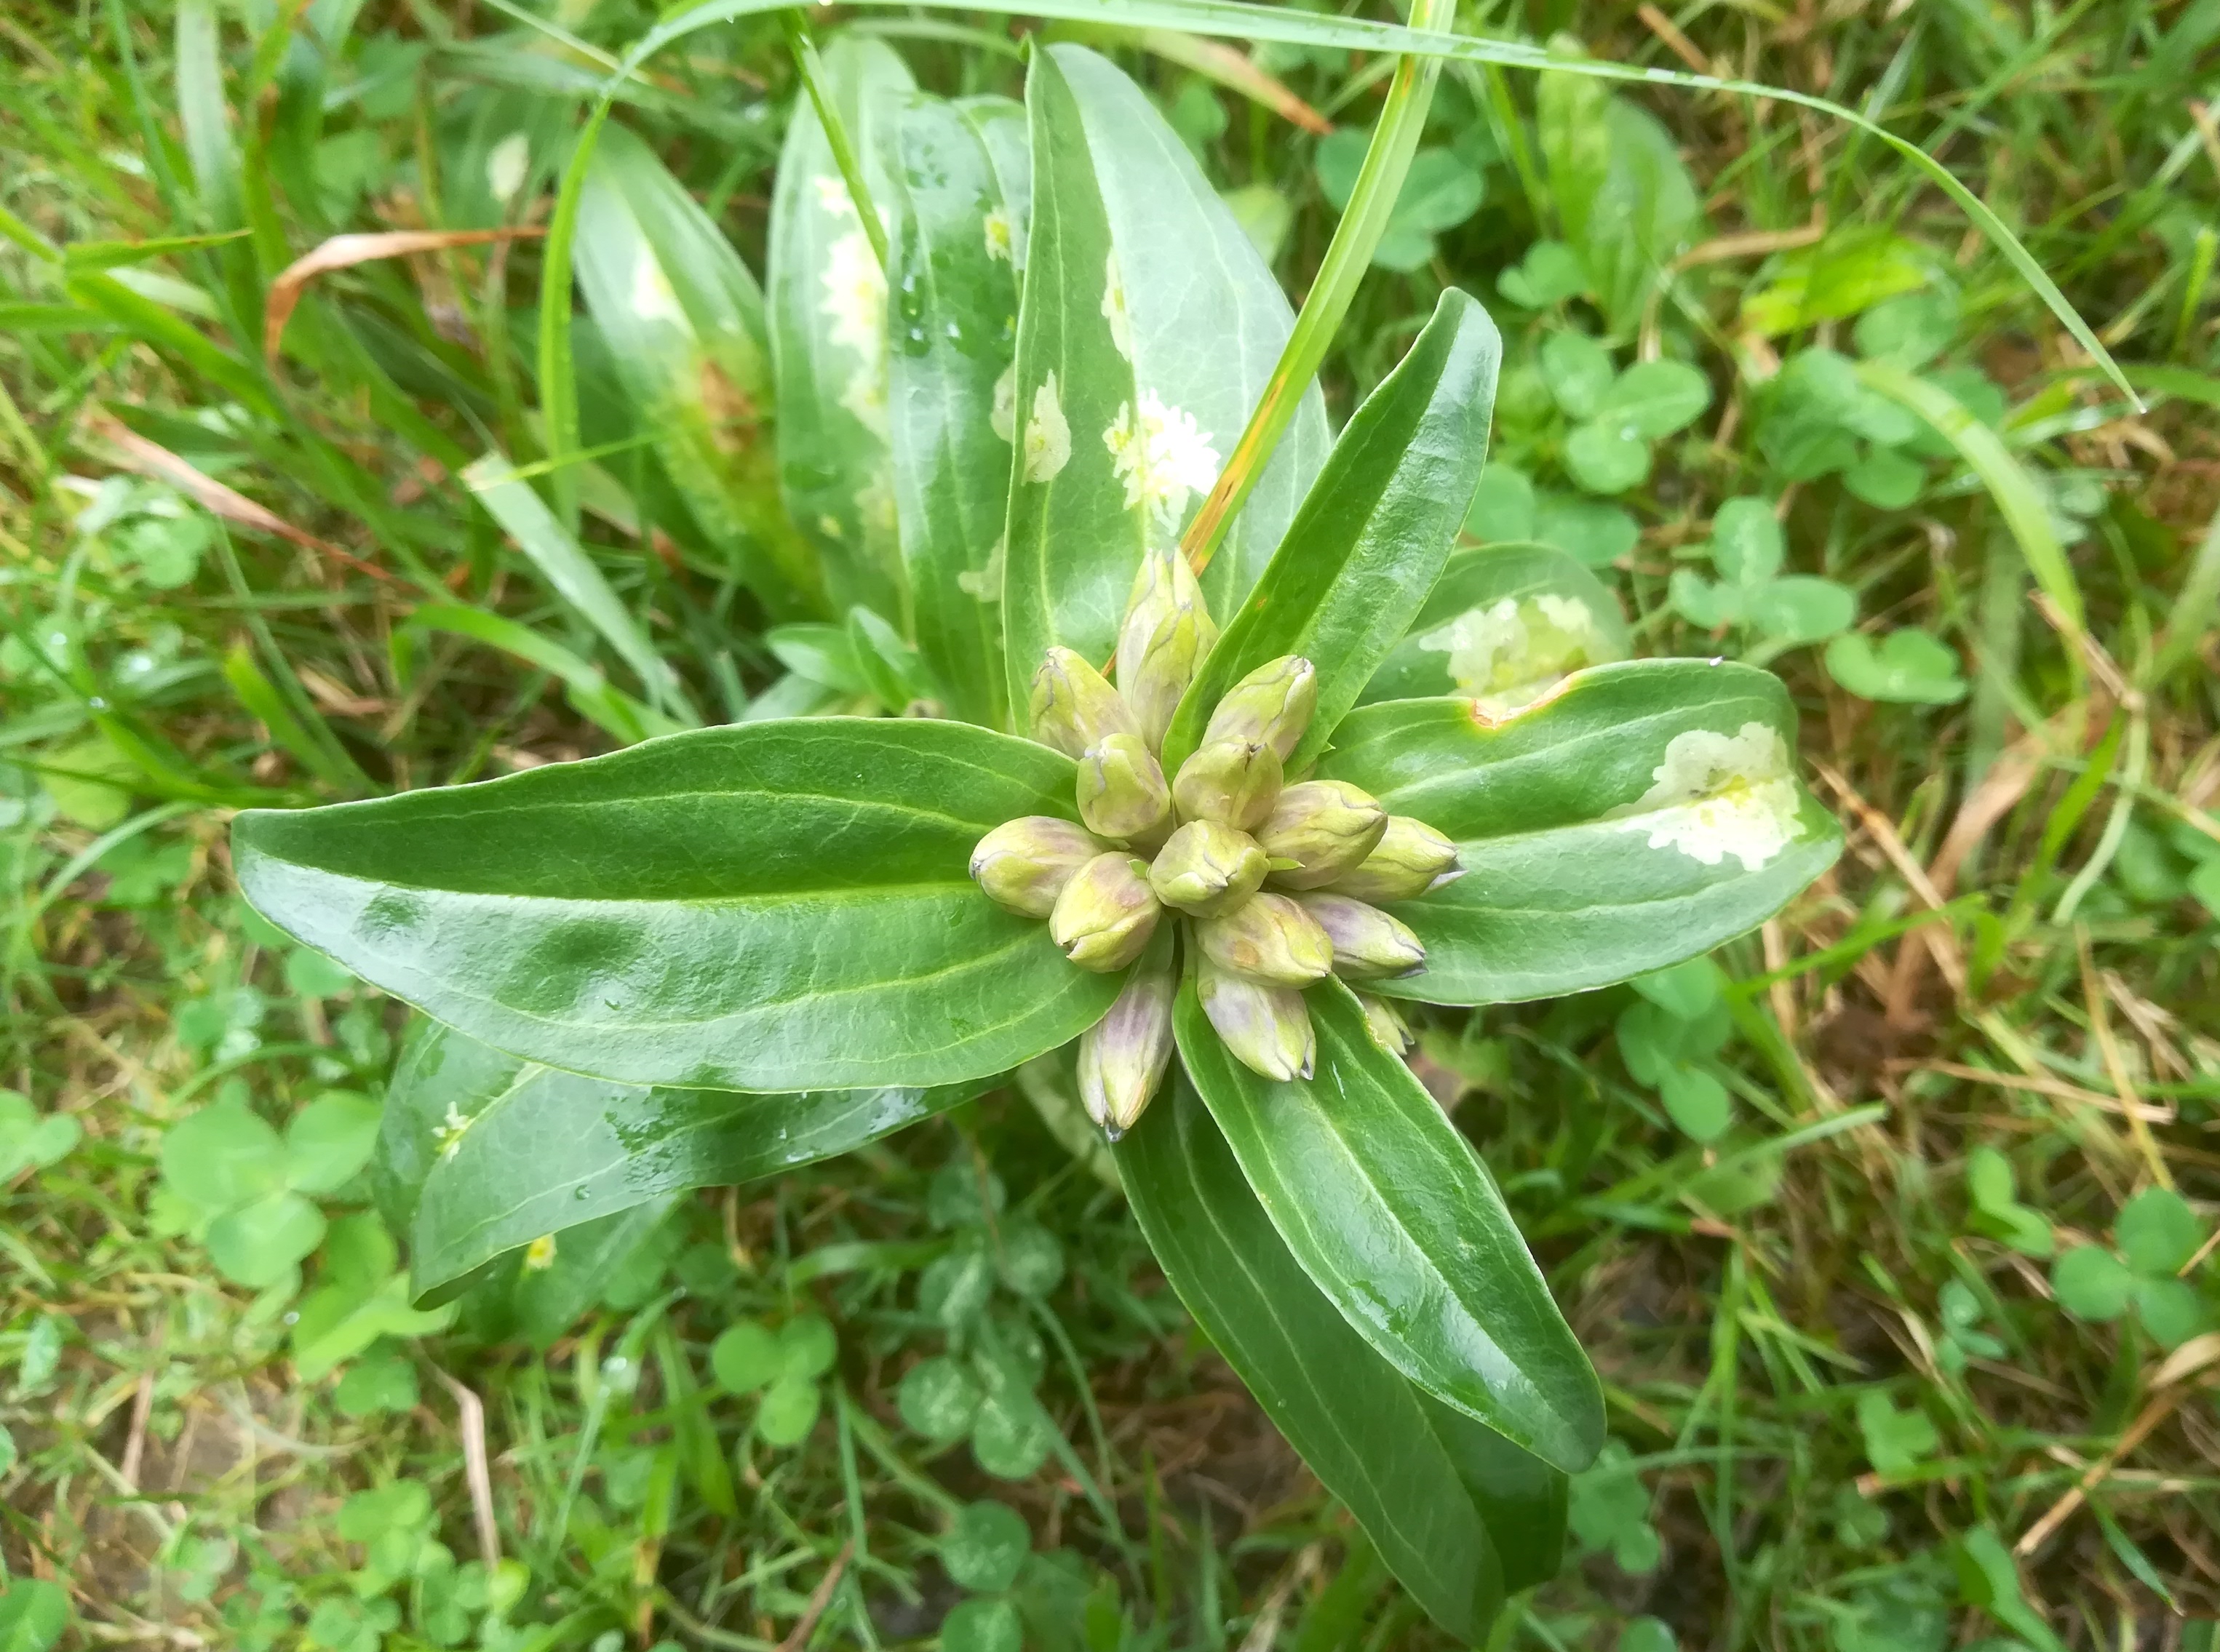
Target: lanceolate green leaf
[[770, 906], [684, 323], [509, 1151], [1466, 640], [950, 341], [1373, 533], [1391, 1215], [1148, 329], [828, 302], [1521, 1499], [1360, 1427], [1642, 814]]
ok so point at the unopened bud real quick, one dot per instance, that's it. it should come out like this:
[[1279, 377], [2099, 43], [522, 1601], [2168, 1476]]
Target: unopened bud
[[1272, 704], [1267, 1028], [1325, 826], [1206, 868], [1166, 632], [1386, 1024], [1073, 708], [1411, 857], [1122, 1056], [1121, 790], [1024, 864], [1367, 941], [1106, 914], [1268, 937], [1230, 782]]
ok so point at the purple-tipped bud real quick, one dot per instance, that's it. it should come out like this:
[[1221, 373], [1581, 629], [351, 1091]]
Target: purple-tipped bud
[[1230, 782], [1267, 1028], [1166, 632], [1122, 1056], [1205, 868], [1367, 943], [1386, 1024], [1024, 864], [1106, 914], [1326, 827], [1272, 705], [1122, 792], [1410, 858], [1268, 937], [1073, 708]]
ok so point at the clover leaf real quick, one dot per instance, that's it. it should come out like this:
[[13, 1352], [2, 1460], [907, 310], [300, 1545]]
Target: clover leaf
[[1440, 191], [783, 1366], [1896, 1441], [1609, 1508], [30, 1140], [1619, 414], [2158, 1235], [1752, 594], [1550, 273], [1997, 1210], [1668, 1039], [1908, 667]]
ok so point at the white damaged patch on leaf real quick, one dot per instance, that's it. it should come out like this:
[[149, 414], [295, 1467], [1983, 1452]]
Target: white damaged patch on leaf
[[653, 300], [1509, 654], [1003, 418], [1048, 438], [1720, 795], [1113, 307], [447, 1135], [855, 303], [985, 583], [1001, 240], [1163, 457]]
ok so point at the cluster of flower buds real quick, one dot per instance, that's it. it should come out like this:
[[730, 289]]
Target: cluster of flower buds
[[1282, 884]]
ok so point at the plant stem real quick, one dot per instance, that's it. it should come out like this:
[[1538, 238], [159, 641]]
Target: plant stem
[[828, 116], [1402, 118]]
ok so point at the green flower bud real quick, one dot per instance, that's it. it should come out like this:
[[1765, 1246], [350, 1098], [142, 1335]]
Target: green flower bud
[[1024, 864], [1230, 782], [1267, 1028], [1386, 1024], [1325, 826], [1106, 912], [1121, 790], [1268, 937], [1073, 708], [1272, 704], [1166, 632], [1206, 868], [1412, 858], [1367, 941], [1122, 1056]]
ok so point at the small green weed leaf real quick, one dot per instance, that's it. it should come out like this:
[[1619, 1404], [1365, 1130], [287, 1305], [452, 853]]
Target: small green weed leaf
[[1846, 273], [1896, 1441], [1684, 991], [588, 914], [1997, 1211], [397, 1506], [1988, 1578], [1625, 199], [822, 653], [1656, 398], [1389, 1212], [788, 1411], [746, 1356], [983, 1627], [1911, 330], [1593, 531], [2158, 1232], [1886, 479], [1013, 1436], [255, 1244], [956, 1289], [90, 782], [1709, 604], [939, 1398], [964, 1194], [1549, 274], [1648, 1042], [1030, 1259], [33, 1612], [1606, 456], [985, 1547], [1363, 1431], [807, 1346], [1578, 371], [1647, 1635], [30, 1140], [221, 1157], [1909, 666], [384, 1383], [1584, 823], [344, 1315], [329, 1140], [311, 975], [1802, 608], [1747, 544], [1697, 1102], [1373, 535], [2204, 884], [1440, 191], [1502, 504], [2091, 1283], [2171, 1310], [1610, 1510]]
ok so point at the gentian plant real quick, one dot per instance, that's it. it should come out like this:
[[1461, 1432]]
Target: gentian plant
[[1200, 870]]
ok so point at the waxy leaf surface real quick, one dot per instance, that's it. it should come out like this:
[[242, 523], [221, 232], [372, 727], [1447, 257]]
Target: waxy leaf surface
[[1373, 533], [505, 1150], [768, 906], [829, 305], [1641, 815], [1391, 1215], [1159, 325], [951, 341], [1466, 641], [1363, 1430]]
